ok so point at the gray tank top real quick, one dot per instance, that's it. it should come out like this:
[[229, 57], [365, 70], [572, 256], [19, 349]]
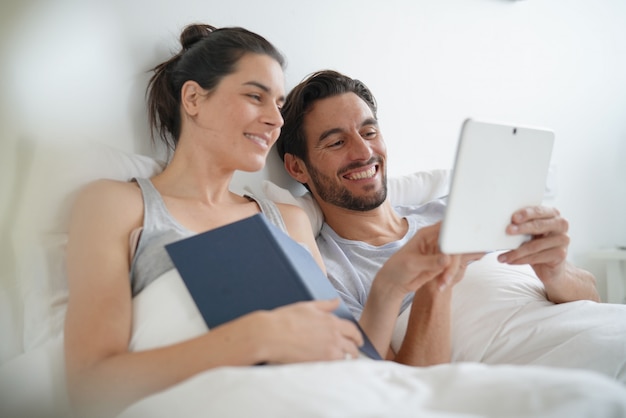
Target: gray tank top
[[159, 229]]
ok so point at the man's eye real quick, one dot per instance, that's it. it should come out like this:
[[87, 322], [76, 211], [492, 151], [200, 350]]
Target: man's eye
[[369, 134], [335, 144]]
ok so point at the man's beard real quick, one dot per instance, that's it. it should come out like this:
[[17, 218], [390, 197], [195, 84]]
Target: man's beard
[[337, 195]]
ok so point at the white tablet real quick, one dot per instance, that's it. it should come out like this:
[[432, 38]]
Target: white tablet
[[498, 169]]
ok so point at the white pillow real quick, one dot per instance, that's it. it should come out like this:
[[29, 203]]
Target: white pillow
[[39, 235], [59, 170], [409, 189]]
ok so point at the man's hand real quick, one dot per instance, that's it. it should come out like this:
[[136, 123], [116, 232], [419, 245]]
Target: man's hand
[[546, 252], [420, 261]]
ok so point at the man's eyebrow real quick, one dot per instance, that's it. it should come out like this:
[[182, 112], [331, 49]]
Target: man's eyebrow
[[262, 87], [332, 131]]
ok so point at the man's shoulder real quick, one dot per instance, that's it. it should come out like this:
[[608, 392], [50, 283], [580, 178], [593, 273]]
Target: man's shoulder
[[433, 209]]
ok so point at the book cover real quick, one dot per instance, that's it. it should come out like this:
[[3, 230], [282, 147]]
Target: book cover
[[251, 265]]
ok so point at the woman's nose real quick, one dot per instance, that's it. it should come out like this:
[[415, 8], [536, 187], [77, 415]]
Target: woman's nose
[[272, 116]]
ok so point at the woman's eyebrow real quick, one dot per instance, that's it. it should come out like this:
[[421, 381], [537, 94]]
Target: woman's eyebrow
[[262, 87]]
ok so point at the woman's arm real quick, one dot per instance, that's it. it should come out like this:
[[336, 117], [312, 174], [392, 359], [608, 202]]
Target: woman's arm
[[103, 376], [299, 229]]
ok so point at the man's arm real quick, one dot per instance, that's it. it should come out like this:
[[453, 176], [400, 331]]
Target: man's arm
[[573, 284], [427, 340], [421, 268]]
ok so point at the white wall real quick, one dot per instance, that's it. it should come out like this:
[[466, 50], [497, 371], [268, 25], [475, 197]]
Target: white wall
[[77, 69]]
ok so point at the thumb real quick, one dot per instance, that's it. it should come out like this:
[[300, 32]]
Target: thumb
[[327, 305]]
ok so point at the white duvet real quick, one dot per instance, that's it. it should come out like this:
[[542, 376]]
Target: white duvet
[[367, 388], [499, 317]]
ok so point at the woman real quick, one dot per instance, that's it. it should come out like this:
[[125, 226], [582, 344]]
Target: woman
[[217, 105]]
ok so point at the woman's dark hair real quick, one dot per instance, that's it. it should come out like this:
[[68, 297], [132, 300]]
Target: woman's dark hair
[[208, 54], [317, 86]]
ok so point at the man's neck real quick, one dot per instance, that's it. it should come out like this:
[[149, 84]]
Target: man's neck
[[375, 227]]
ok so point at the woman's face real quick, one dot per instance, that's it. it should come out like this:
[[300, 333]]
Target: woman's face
[[240, 118]]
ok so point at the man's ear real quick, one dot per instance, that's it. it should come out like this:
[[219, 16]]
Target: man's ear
[[190, 95], [296, 168]]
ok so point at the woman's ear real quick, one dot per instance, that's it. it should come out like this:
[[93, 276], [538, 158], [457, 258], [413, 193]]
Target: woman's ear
[[296, 168], [190, 95]]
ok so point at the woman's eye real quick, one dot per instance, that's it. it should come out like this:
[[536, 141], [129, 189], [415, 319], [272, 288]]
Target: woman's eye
[[256, 97]]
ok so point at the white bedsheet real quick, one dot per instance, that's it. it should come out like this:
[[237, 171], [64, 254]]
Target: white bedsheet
[[368, 388], [164, 313]]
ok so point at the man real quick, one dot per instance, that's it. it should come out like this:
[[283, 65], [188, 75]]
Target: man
[[332, 144]]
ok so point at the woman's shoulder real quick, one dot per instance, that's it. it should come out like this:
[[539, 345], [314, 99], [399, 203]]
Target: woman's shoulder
[[108, 200], [102, 191], [296, 221], [291, 214]]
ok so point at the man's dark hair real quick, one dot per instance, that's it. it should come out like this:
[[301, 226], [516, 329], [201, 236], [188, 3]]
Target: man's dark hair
[[317, 86]]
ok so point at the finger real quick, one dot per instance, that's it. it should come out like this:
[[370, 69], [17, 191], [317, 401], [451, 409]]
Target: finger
[[352, 332], [434, 266], [350, 351], [552, 256], [534, 212], [327, 305], [538, 250], [428, 265], [450, 272], [556, 225], [535, 246], [469, 257]]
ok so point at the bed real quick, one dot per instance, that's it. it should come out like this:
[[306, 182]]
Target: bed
[[514, 354]]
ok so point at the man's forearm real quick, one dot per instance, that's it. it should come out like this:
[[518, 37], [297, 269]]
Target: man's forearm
[[427, 340], [576, 284], [379, 317]]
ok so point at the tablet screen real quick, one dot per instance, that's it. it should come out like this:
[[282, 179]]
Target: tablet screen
[[498, 169]]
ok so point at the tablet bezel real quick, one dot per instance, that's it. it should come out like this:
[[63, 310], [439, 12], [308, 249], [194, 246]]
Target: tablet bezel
[[498, 169]]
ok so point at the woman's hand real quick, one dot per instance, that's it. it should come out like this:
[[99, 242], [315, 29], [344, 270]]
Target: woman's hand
[[308, 331]]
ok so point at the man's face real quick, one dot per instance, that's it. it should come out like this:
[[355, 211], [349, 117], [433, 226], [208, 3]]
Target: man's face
[[346, 153]]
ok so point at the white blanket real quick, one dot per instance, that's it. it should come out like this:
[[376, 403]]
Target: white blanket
[[368, 388], [164, 313], [501, 317]]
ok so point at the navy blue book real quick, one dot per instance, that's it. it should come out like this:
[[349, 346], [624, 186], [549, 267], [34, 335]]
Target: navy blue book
[[251, 265]]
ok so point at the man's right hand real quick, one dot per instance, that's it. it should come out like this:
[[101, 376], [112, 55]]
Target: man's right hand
[[421, 261]]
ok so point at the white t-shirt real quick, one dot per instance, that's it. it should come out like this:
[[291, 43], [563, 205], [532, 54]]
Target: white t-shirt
[[352, 265]]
